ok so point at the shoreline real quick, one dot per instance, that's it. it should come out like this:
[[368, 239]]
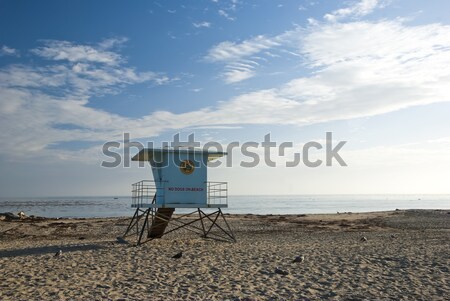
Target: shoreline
[[236, 215], [405, 256]]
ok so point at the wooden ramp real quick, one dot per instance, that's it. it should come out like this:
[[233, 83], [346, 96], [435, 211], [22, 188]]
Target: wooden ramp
[[162, 218]]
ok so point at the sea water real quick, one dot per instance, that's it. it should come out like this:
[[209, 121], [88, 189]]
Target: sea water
[[108, 206]]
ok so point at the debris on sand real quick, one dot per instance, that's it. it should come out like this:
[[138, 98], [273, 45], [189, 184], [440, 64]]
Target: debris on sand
[[178, 255]]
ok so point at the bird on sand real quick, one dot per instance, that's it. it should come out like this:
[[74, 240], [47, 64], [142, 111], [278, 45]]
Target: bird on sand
[[59, 253], [363, 239], [300, 258], [178, 255]]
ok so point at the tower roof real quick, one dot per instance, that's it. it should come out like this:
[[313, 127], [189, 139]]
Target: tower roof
[[147, 154]]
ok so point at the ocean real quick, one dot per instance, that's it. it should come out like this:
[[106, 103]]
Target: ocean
[[109, 206]]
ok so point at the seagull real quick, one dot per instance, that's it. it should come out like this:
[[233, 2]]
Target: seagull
[[59, 253], [281, 272], [363, 239], [299, 258], [178, 255]]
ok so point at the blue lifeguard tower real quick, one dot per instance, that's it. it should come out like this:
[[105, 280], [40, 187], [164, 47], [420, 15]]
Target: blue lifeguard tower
[[179, 181]]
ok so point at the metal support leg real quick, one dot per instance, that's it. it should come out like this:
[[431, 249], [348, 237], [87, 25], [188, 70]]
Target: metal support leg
[[143, 226], [131, 222], [201, 221], [204, 229]]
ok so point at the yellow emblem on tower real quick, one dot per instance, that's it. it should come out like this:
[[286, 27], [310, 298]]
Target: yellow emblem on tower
[[187, 167]]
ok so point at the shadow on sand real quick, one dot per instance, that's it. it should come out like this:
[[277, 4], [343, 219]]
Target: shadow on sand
[[49, 250]]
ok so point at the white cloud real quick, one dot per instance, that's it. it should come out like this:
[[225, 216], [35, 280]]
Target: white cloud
[[358, 77], [238, 68], [5, 50], [361, 69], [239, 71], [112, 42], [229, 51], [232, 76], [67, 51], [35, 100], [224, 14], [358, 9], [79, 79], [202, 24]]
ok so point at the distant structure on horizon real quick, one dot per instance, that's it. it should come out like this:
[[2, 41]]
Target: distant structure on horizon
[[179, 181]]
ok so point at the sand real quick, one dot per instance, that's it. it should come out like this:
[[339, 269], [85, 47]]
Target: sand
[[405, 257]]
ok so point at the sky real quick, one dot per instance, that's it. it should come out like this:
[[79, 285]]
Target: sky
[[75, 75]]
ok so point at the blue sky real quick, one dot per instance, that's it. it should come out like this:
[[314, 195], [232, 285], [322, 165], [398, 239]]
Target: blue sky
[[76, 74]]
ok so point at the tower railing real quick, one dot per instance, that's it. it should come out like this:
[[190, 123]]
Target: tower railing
[[217, 193], [146, 192]]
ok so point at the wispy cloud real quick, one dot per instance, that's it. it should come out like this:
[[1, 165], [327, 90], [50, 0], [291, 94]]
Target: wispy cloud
[[357, 9], [231, 51], [226, 15], [201, 24], [67, 51], [356, 77], [112, 42], [239, 71], [238, 66], [5, 50]]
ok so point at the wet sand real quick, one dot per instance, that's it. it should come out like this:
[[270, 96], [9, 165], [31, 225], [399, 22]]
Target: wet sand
[[405, 256]]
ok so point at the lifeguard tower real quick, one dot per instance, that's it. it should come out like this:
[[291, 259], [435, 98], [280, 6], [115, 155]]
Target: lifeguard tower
[[179, 182]]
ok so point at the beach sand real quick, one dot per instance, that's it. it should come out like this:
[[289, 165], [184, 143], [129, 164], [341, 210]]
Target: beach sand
[[405, 257]]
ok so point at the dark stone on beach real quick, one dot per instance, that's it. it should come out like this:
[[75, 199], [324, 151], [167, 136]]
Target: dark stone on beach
[[300, 258], [10, 216], [281, 272], [333, 294], [178, 255]]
